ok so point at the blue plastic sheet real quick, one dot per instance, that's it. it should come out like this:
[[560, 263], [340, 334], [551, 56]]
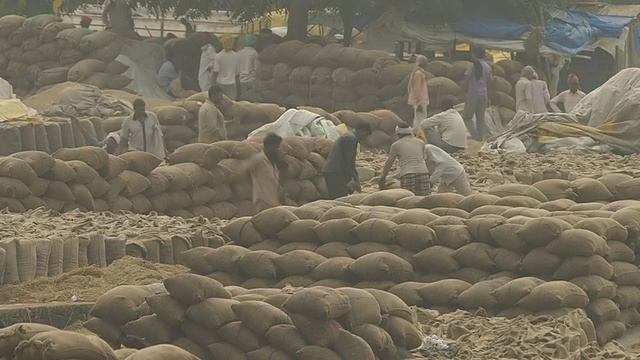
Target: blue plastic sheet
[[502, 29], [637, 37], [573, 30]]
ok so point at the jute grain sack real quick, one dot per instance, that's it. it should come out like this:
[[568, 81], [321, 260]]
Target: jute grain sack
[[453, 236], [414, 238], [192, 289], [141, 162], [84, 173], [518, 190], [259, 264], [11, 336], [408, 292], [227, 258], [299, 230], [56, 257], [607, 228], [10, 23], [555, 189], [39, 161], [149, 330], [577, 266], [380, 266], [489, 210], [318, 302], [629, 317], [518, 201], [380, 341], [472, 202], [611, 181], [443, 292], [553, 295], [625, 274], [609, 330], [578, 242], [540, 262], [334, 268], [95, 157], [619, 251], [403, 333], [26, 257], [364, 309], [506, 260], [195, 260], [437, 259], [120, 304], [338, 230], [480, 295], [272, 221], [260, 317], [596, 287], [350, 346], [601, 310], [627, 296], [339, 212], [513, 291], [475, 255], [541, 231], [386, 197], [449, 200], [18, 169], [13, 188], [414, 216], [111, 333], [521, 211], [43, 252], [82, 196], [84, 69], [480, 227], [61, 172], [62, 345], [212, 313], [238, 335], [375, 230], [298, 262], [286, 337], [590, 190]]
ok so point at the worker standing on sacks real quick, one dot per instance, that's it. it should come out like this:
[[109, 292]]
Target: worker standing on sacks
[[479, 83], [141, 132], [418, 93], [265, 170], [211, 126], [414, 175], [340, 172]]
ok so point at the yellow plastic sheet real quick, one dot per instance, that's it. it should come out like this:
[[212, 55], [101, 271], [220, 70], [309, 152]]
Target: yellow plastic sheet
[[12, 110]]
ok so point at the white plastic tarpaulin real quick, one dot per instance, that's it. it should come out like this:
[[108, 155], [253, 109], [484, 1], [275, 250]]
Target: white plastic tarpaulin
[[299, 123]]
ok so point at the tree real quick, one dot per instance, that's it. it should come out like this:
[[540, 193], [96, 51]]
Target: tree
[[26, 7]]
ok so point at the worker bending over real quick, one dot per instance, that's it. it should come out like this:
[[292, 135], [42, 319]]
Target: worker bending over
[[414, 175]]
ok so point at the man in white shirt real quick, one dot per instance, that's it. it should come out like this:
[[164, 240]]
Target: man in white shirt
[[568, 99], [207, 60], [141, 132], [414, 175], [226, 67], [6, 90], [524, 91], [211, 126], [541, 97], [248, 64], [446, 130]]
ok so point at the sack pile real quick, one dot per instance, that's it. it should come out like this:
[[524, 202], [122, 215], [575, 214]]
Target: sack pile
[[42, 51], [199, 315], [46, 253], [334, 78], [38, 341], [405, 249]]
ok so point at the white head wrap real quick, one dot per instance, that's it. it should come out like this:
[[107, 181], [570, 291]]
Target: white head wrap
[[403, 131], [115, 136]]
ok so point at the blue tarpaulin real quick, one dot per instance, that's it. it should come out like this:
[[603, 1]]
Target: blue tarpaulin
[[572, 31], [491, 28]]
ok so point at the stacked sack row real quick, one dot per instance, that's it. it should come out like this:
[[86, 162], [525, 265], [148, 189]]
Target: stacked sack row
[[418, 245], [47, 136], [201, 316], [39, 341], [338, 78], [42, 51], [200, 180], [25, 259]]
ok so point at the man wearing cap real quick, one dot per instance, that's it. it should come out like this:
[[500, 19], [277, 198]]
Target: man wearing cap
[[524, 90], [85, 22], [226, 67], [414, 175], [568, 99]]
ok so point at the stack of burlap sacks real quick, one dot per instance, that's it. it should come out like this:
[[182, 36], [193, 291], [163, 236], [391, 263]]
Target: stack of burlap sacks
[[24, 259], [201, 316], [38, 341], [200, 180], [459, 244], [42, 51], [337, 78]]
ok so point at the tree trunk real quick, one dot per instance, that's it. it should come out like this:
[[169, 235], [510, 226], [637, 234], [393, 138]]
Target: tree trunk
[[347, 23], [298, 19]]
